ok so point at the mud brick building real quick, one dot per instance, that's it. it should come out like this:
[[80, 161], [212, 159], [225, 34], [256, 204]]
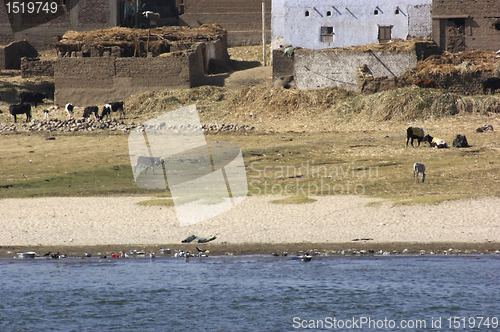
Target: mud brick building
[[459, 25], [241, 18], [81, 15], [97, 67]]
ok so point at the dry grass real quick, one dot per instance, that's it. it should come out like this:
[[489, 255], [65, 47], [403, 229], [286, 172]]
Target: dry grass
[[368, 159]]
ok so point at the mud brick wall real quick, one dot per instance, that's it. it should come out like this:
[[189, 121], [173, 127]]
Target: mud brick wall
[[86, 15], [241, 18], [32, 67], [282, 64], [93, 13], [99, 80], [482, 22], [468, 85], [10, 55]]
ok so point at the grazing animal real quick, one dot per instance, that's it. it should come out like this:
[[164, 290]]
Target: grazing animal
[[492, 83], [14, 110], [422, 83], [414, 133], [32, 97], [419, 168], [147, 162], [435, 142], [460, 142], [47, 111], [90, 110], [112, 107], [69, 110], [484, 128]]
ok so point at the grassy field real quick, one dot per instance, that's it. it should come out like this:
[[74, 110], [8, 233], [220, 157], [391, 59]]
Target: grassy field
[[306, 142], [371, 162]]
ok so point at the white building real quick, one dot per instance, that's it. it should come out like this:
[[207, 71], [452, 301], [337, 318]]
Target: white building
[[319, 24]]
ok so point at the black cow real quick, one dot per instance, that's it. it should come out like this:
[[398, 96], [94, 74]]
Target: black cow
[[112, 107], [31, 97], [147, 162], [460, 142], [414, 133], [90, 110], [492, 83], [20, 109]]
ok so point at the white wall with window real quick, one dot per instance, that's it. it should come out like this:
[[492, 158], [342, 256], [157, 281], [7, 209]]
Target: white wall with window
[[319, 24]]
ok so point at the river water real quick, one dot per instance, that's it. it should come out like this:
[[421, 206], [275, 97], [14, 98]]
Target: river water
[[251, 293]]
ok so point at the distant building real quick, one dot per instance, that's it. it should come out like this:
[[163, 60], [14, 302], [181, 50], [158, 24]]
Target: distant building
[[321, 24], [83, 15], [459, 25], [241, 18]]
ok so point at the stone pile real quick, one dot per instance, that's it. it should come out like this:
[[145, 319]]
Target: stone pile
[[90, 125], [226, 127], [67, 126]]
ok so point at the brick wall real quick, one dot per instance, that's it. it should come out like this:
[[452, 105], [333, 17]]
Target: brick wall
[[337, 68], [282, 64], [481, 18], [86, 15], [10, 55], [241, 18], [93, 13], [33, 67]]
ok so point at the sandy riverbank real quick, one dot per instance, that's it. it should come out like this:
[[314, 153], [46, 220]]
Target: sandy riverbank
[[256, 225]]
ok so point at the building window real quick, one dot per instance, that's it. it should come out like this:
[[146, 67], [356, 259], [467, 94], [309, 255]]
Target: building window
[[327, 34], [384, 33], [375, 12], [307, 13], [396, 11], [497, 26], [328, 13]]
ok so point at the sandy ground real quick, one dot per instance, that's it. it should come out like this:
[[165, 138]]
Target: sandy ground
[[118, 221]]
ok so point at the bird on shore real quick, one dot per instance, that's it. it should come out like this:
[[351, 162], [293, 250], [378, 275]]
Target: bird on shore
[[202, 253]]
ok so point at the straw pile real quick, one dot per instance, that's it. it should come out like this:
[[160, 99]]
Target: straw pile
[[157, 40]]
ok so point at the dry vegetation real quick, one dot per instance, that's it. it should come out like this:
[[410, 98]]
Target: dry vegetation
[[329, 129], [139, 41]]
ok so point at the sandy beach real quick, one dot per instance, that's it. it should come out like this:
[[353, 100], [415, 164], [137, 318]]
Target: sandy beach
[[79, 222]]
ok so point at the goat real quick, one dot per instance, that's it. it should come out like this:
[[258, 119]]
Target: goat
[[460, 142], [414, 133], [484, 128], [419, 168], [69, 110], [435, 142]]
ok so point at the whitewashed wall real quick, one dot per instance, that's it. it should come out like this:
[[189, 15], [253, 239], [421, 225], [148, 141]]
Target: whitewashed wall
[[353, 21], [337, 68]]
